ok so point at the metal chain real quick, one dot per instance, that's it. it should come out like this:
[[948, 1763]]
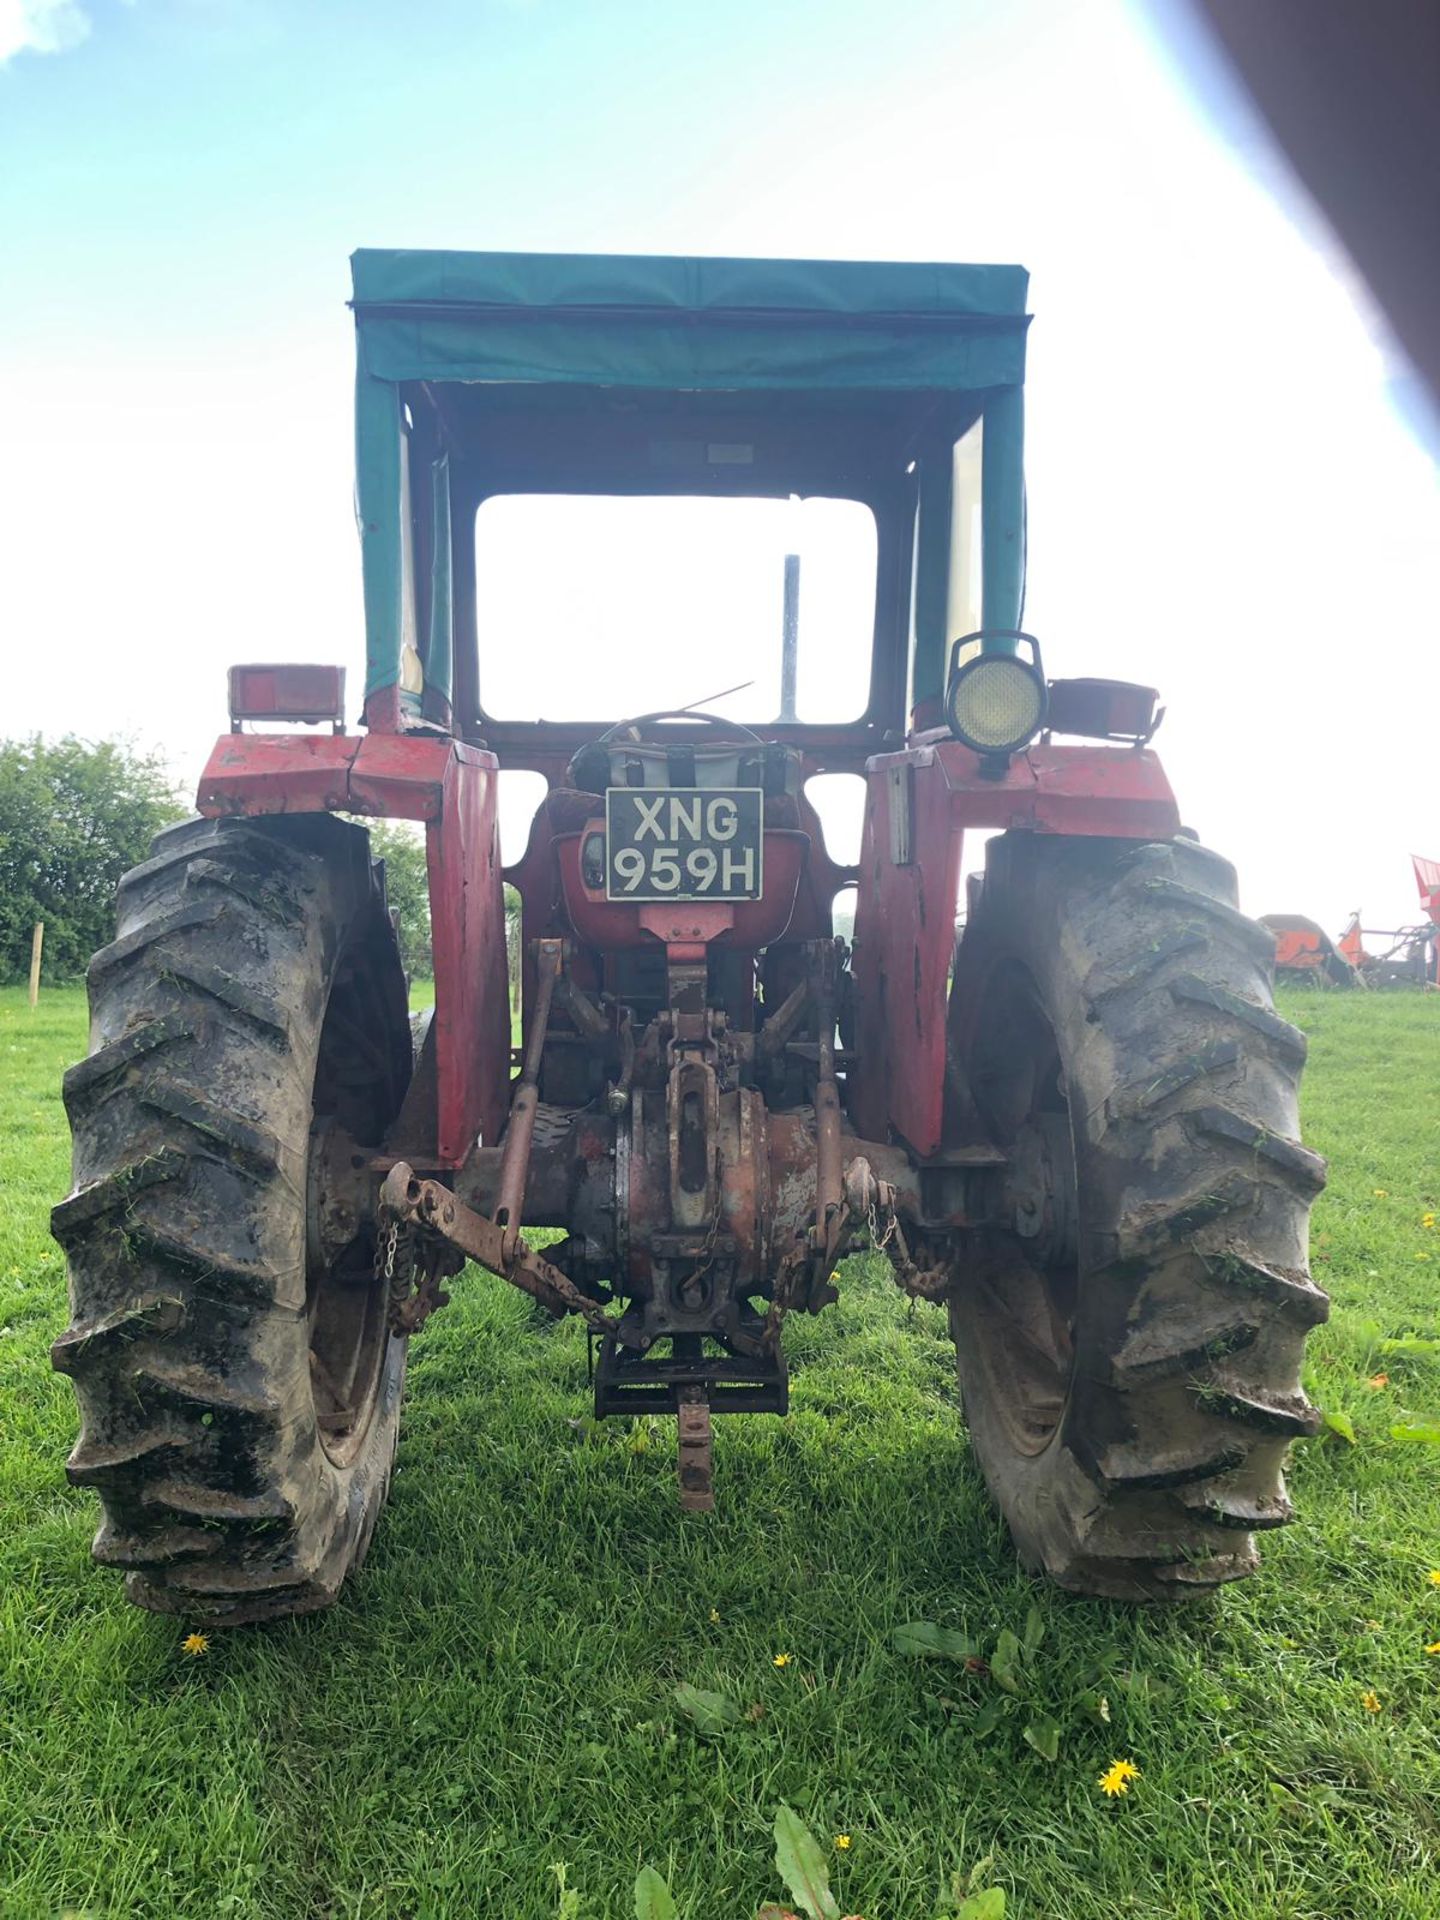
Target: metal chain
[[395, 1270]]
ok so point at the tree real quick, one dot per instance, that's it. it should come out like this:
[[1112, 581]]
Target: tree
[[74, 816], [401, 845]]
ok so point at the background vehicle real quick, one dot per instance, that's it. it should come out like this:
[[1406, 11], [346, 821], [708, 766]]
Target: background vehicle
[[1078, 1129]]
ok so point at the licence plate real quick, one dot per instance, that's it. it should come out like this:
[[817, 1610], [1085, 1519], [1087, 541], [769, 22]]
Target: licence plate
[[683, 843]]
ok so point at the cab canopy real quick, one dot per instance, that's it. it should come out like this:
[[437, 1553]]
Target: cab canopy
[[486, 374]]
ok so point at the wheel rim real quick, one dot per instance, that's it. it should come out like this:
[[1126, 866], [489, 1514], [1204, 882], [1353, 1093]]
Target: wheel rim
[[1023, 1289], [357, 1093]]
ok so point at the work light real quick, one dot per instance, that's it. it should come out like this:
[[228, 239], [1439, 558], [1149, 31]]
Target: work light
[[995, 702]]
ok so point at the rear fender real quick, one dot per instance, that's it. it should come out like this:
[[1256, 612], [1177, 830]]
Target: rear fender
[[452, 789], [918, 806]]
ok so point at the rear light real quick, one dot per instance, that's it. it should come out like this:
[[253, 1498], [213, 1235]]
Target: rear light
[[1104, 710], [310, 694]]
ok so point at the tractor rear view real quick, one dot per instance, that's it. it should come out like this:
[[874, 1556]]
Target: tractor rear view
[[680, 540]]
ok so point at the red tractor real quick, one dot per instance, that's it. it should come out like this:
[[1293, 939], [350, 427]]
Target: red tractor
[[618, 483]]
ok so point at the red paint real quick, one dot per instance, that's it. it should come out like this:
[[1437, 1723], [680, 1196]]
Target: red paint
[[260, 773], [905, 915], [452, 788]]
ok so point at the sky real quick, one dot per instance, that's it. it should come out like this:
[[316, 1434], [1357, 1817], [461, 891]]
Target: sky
[[1228, 494]]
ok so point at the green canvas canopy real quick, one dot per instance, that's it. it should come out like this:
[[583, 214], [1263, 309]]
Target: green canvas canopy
[[561, 322], [763, 325]]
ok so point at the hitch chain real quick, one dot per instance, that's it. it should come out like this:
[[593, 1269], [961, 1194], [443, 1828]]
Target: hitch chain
[[888, 1237], [405, 1260]]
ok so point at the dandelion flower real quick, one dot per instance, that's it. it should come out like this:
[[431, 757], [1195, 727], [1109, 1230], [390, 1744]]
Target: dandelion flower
[[1434, 1576], [1422, 1256], [1117, 1777], [714, 1616], [1434, 1647], [1381, 1193], [1370, 1700], [780, 1660], [842, 1841], [1378, 1380], [195, 1644], [1427, 1220]]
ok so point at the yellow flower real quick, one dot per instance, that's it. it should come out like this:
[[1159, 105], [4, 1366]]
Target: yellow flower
[[195, 1644], [714, 1616], [1434, 1647], [1434, 1576], [1370, 1700], [1427, 1220], [1422, 1256], [781, 1660], [1117, 1777], [1381, 1194], [842, 1841]]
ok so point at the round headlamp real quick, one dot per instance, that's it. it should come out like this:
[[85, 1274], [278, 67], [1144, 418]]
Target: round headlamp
[[995, 702]]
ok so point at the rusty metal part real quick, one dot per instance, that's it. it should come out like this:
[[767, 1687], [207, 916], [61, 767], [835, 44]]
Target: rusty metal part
[[887, 1236], [435, 1209], [771, 1040], [589, 1017], [696, 1491], [340, 1194], [617, 1098], [515, 1150], [692, 1115]]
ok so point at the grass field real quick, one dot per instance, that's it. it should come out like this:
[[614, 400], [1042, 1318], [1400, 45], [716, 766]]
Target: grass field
[[495, 1697]]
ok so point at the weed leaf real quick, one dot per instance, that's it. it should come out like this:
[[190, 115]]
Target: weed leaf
[[652, 1897], [989, 1905], [1004, 1660], [1342, 1424], [1034, 1628], [991, 1713], [1426, 1431], [801, 1865], [1043, 1734], [712, 1713], [1411, 1344], [924, 1637]]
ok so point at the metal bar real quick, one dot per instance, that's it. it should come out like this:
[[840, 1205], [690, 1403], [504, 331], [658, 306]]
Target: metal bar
[[790, 637], [696, 1494], [404, 1197], [515, 1154]]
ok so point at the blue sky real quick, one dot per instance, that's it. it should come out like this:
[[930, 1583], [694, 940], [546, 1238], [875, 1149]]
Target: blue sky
[[1224, 497]]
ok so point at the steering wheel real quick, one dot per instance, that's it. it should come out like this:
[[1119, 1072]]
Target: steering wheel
[[631, 729]]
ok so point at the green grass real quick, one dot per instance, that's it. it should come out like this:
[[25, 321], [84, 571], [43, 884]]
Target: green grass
[[496, 1692]]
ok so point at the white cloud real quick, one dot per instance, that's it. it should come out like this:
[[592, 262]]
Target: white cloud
[[40, 26]]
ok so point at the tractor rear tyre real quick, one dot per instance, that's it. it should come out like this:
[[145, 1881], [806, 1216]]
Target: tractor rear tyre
[[1129, 1334], [239, 1386]]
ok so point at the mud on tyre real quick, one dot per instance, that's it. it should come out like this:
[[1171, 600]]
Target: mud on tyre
[[239, 1388], [1129, 1338]]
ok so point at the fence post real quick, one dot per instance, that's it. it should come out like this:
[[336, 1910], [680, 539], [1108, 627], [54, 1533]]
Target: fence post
[[37, 941]]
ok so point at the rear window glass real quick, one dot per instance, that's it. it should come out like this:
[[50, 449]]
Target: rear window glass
[[596, 606]]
